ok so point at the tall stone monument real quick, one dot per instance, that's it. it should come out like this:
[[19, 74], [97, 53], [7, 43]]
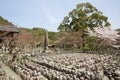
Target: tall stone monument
[[46, 42]]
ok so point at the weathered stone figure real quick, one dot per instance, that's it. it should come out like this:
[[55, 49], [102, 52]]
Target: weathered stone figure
[[46, 41]]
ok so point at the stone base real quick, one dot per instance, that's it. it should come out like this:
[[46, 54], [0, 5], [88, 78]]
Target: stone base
[[47, 51]]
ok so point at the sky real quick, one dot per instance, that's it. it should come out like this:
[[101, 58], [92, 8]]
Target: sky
[[49, 14]]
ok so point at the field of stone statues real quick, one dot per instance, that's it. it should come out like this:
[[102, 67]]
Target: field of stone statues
[[64, 66]]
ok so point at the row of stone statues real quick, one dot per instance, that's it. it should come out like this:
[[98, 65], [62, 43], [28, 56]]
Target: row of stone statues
[[77, 66]]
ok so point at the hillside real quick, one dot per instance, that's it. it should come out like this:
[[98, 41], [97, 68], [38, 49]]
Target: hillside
[[34, 36], [5, 22], [29, 36], [65, 39]]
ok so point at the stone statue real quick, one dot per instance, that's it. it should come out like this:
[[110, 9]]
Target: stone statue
[[46, 42]]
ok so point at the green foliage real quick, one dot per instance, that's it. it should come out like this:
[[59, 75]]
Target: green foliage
[[4, 22], [118, 31], [83, 17], [91, 42], [38, 34], [52, 36], [86, 47]]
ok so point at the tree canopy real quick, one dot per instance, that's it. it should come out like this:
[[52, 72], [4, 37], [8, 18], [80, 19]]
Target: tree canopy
[[83, 17]]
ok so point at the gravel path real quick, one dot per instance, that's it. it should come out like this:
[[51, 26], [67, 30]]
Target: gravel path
[[11, 75]]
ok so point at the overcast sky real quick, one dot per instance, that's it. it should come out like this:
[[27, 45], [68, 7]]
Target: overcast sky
[[50, 13]]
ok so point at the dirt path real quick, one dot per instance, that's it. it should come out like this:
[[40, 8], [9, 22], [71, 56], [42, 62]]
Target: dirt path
[[10, 74]]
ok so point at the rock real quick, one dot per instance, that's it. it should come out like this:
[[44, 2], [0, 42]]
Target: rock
[[106, 72], [92, 76], [110, 77], [116, 73], [117, 78], [82, 78], [0, 65], [105, 78], [2, 72]]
